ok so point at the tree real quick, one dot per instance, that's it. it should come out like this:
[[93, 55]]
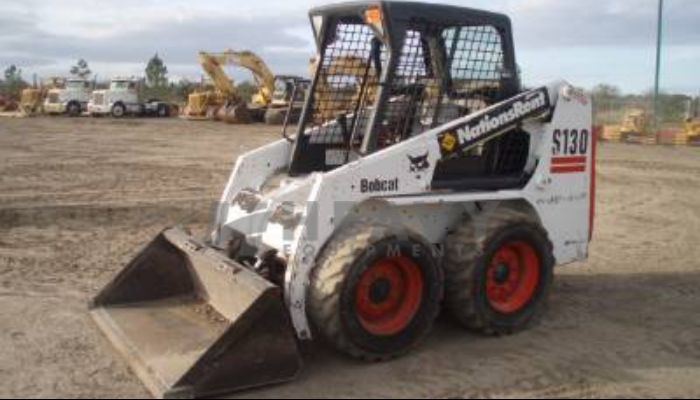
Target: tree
[[156, 72], [183, 89], [81, 70], [13, 82], [606, 92]]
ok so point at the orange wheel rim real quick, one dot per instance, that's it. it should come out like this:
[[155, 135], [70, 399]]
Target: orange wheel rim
[[513, 277], [389, 295]]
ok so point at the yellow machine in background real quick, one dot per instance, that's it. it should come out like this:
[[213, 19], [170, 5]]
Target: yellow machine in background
[[32, 98], [637, 127], [692, 122], [333, 100], [222, 101]]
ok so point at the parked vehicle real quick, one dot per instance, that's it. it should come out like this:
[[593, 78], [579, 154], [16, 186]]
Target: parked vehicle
[[125, 97], [70, 98]]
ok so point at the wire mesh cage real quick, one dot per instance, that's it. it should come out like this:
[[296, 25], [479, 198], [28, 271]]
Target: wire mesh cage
[[441, 72]]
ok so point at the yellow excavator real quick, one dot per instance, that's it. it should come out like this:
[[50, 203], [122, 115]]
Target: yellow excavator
[[221, 102], [270, 103]]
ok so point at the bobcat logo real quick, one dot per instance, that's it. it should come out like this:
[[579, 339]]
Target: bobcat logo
[[420, 163]]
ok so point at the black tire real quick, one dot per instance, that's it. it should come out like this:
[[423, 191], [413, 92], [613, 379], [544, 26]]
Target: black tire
[[470, 252], [163, 111], [74, 109], [335, 286], [118, 110]]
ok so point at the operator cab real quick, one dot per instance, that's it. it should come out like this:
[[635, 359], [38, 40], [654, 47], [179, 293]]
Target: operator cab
[[387, 71], [287, 86]]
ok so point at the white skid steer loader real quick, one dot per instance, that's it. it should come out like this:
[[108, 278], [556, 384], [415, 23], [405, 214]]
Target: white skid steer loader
[[435, 181]]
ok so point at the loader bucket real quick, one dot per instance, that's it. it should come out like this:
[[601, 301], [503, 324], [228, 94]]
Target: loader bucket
[[193, 323]]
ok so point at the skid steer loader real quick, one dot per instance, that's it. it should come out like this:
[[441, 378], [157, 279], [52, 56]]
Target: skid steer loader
[[441, 180]]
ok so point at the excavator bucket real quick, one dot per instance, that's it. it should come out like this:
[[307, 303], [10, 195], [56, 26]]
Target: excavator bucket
[[193, 323]]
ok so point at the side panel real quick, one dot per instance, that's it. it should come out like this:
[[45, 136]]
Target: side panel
[[561, 190]]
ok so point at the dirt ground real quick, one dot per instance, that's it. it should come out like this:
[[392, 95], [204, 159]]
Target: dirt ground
[[79, 197]]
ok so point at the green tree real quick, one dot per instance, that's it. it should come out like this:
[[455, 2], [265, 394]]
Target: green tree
[[81, 70], [182, 89], [608, 104], [156, 72], [13, 82]]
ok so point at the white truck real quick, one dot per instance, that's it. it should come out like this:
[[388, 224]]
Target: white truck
[[125, 97], [71, 99]]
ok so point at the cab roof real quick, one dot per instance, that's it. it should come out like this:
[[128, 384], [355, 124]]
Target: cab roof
[[405, 10]]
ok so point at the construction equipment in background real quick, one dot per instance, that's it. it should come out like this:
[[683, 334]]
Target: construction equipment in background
[[223, 102], [68, 96], [692, 122], [124, 97], [287, 100], [32, 101], [637, 127], [333, 99], [270, 103], [440, 179]]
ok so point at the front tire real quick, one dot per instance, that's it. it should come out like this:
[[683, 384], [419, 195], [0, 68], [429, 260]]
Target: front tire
[[375, 292], [118, 110], [499, 271]]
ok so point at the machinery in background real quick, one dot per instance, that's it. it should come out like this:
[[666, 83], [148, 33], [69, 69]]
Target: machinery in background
[[438, 181], [637, 127], [287, 100], [125, 97], [276, 94], [692, 122], [67, 96], [221, 101]]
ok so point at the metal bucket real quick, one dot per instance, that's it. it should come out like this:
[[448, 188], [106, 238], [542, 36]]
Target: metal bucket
[[193, 323]]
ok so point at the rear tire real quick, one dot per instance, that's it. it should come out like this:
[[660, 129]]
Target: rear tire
[[499, 271], [375, 292]]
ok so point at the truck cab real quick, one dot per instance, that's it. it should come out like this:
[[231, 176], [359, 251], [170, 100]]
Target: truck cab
[[124, 97], [71, 99]]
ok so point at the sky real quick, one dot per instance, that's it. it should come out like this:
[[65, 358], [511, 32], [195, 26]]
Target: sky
[[584, 42]]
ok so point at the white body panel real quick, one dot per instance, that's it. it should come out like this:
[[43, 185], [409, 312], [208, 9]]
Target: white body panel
[[321, 203]]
